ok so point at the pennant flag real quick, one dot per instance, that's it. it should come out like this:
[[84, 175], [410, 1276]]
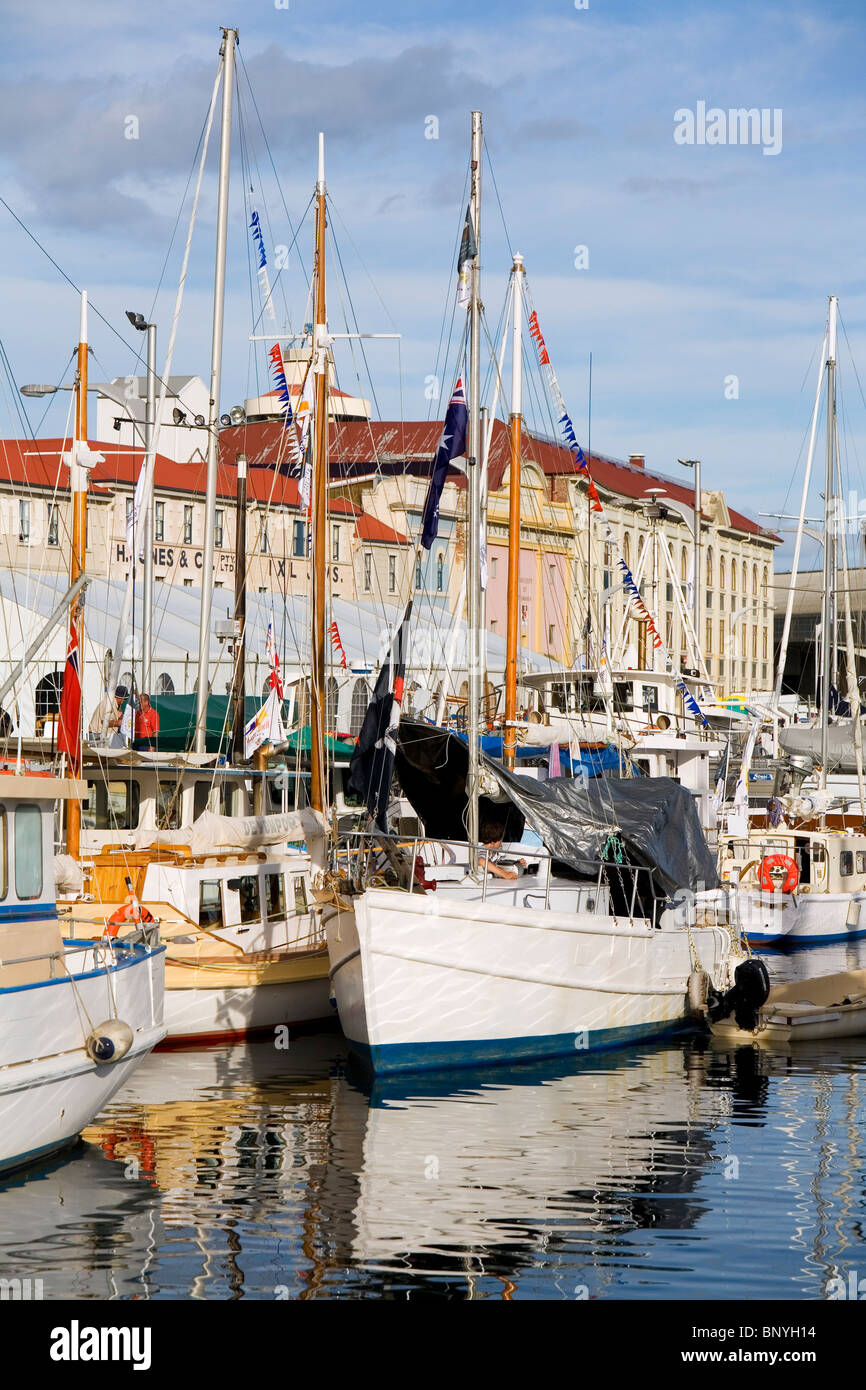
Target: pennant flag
[[69, 727], [452, 443], [334, 633], [266, 726], [372, 765], [262, 269], [467, 253], [275, 680]]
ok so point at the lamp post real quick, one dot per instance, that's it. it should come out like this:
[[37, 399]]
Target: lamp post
[[138, 321], [696, 587]]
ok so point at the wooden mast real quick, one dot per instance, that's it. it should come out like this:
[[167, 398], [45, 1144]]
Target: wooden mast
[[78, 495], [473, 543], [319, 507], [514, 426]]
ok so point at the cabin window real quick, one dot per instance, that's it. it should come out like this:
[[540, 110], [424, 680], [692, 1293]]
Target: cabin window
[[200, 798], [4, 853], [209, 903], [622, 696], [300, 890], [248, 892], [168, 806], [861, 861], [111, 806], [819, 854], [846, 863], [650, 697], [28, 852], [275, 895]]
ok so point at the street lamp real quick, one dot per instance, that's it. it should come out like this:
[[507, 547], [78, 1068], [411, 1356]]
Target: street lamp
[[696, 587]]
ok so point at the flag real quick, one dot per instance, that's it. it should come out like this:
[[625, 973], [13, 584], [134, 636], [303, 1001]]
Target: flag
[[69, 727], [372, 764], [467, 253], [275, 680], [452, 443], [266, 726], [554, 763], [336, 643]]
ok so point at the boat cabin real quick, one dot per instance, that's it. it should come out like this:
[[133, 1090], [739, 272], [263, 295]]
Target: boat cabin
[[828, 861]]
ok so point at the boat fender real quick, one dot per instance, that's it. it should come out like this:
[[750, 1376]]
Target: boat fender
[[699, 993], [109, 1041], [746, 997]]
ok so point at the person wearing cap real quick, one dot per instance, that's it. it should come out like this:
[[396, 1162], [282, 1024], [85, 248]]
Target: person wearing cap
[[108, 717]]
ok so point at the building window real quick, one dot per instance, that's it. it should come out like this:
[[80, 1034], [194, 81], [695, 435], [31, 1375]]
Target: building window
[[266, 545], [187, 583], [684, 564], [494, 625], [764, 644], [626, 549], [669, 592], [53, 524], [754, 579], [24, 522], [733, 576], [299, 539], [187, 525], [159, 521], [722, 572], [722, 637], [418, 575], [709, 598], [440, 572], [368, 571], [766, 582], [551, 635], [745, 578], [754, 642], [218, 529], [709, 635], [494, 566], [164, 684], [392, 574], [360, 701], [669, 628], [710, 565], [335, 544]]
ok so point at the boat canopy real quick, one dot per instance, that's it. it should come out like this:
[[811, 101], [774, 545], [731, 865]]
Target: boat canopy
[[651, 822]]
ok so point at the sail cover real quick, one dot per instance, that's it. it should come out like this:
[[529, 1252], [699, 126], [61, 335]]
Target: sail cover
[[655, 818]]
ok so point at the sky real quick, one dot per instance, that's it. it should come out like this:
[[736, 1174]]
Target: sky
[[701, 291]]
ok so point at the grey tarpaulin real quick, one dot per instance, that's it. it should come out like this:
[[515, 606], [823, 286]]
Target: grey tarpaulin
[[655, 818]]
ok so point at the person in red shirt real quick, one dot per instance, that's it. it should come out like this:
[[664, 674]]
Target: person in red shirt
[[146, 723]]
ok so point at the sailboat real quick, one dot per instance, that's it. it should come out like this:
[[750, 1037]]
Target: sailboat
[[803, 881], [438, 961], [245, 949]]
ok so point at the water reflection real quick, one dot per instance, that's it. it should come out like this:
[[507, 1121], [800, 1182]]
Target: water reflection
[[685, 1170]]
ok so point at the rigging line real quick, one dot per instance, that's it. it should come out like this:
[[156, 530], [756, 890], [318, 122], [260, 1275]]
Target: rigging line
[[243, 67], [496, 191], [252, 160], [345, 281], [450, 306]]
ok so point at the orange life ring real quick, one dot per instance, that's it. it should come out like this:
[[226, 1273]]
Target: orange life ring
[[130, 912], [778, 861]]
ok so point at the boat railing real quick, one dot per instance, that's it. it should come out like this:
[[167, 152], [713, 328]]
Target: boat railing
[[73, 948], [366, 844], [146, 932]]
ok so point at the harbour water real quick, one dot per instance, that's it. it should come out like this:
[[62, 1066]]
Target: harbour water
[[676, 1170]]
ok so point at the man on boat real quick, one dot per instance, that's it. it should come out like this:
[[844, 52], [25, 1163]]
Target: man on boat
[[108, 715], [146, 723]]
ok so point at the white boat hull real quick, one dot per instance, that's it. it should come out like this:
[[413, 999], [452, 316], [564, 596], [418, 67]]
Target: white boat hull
[[50, 1089], [431, 980], [796, 919], [200, 1016]]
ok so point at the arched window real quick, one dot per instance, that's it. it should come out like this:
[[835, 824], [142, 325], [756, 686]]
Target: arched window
[[440, 572], [745, 578], [754, 579], [684, 565], [722, 572], [766, 581], [164, 684], [709, 566], [128, 679], [332, 696], [47, 701], [734, 576], [626, 549], [360, 701]]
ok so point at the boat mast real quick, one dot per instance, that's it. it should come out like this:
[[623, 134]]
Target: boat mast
[[240, 639], [828, 605], [319, 506], [227, 53], [473, 545], [514, 423], [78, 494]]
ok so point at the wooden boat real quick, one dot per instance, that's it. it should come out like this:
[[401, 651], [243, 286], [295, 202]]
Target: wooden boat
[[828, 1006]]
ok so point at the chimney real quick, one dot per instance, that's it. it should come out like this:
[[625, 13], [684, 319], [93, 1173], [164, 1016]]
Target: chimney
[[637, 460]]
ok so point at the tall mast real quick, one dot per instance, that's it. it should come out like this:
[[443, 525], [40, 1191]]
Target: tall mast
[[149, 462], [515, 422], [473, 545], [78, 493], [828, 605], [319, 507], [239, 673], [227, 53]]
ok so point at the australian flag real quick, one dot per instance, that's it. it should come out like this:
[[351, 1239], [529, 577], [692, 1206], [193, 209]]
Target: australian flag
[[452, 444], [372, 765]]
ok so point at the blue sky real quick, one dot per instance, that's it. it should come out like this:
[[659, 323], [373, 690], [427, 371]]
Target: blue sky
[[705, 262]]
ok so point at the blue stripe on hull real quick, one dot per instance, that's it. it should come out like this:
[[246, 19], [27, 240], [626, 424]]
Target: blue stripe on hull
[[789, 940], [399, 1057]]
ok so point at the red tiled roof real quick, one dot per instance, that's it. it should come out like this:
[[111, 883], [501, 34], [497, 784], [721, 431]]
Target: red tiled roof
[[38, 463], [369, 528]]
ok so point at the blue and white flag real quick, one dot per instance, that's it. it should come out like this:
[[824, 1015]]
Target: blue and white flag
[[452, 443]]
